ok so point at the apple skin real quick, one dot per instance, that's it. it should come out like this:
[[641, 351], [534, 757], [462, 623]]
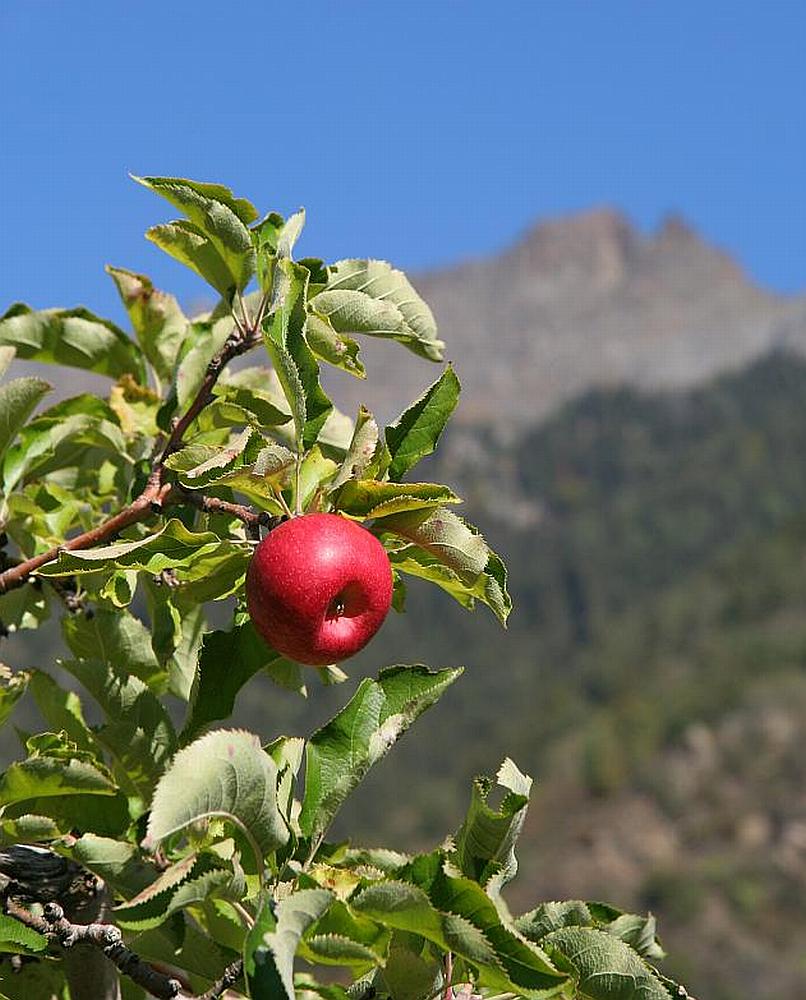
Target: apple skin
[[318, 588]]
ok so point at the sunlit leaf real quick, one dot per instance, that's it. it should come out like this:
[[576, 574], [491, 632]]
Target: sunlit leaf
[[225, 773], [73, 337]]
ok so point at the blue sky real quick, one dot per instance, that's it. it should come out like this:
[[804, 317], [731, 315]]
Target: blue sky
[[421, 131]]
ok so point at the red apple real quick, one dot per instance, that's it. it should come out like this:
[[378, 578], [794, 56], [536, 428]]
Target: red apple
[[318, 588]]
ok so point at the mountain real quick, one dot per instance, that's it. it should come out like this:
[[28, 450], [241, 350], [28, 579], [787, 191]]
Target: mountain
[[582, 302]]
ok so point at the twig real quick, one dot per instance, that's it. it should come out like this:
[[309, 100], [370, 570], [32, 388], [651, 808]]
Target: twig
[[237, 343], [231, 975], [138, 510], [213, 505], [57, 928]]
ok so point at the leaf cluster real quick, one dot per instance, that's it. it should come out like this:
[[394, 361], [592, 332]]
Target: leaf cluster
[[129, 515]]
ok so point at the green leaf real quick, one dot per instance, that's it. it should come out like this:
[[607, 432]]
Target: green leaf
[[315, 474], [362, 448], [485, 844], [61, 709], [192, 247], [410, 976], [18, 399], [7, 353], [13, 686], [336, 348], [22, 608], [41, 777], [448, 554], [206, 340], [225, 773], [115, 637], [73, 337], [192, 880], [551, 916], [221, 217], [639, 932], [520, 965], [272, 943], [446, 536], [29, 829], [296, 367], [200, 465], [406, 907], [339, 755], [228, 660], [416, 431], [138, 732], [366, 498], [62, 439], [266, 413], [604, 967], [178, 627], [18, 938], [119, 863], [370, 296], [192, 197], [206, 566], [159, 324]]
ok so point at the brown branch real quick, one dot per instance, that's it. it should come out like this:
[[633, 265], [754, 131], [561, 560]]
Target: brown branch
[[230, 977], [238, 342], [37, 875], [138, 510], [57, 928], [253, 519], [153, 497]]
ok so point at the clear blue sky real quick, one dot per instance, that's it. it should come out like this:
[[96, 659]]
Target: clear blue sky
[[417, 130]]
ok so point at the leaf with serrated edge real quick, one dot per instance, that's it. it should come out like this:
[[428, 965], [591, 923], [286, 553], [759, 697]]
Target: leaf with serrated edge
[[42, 777], [224, 773], [417, 430], [445, 535], [73, 337], [272, 943], [18, 938], [226, 663], [159, 324], [380, 281], [336, 348], [605, 968], [362, 447], [138, 731], [485, 845], [366, 498], [339, 754], [293, 360], [218, 215]]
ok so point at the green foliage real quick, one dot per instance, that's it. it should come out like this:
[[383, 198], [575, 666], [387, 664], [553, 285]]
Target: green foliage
[[137, 513]]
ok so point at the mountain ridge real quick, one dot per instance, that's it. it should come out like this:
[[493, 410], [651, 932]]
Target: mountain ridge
[[587, 301]]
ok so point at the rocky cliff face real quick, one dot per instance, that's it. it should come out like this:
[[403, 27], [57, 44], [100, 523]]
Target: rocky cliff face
[[581, 302]]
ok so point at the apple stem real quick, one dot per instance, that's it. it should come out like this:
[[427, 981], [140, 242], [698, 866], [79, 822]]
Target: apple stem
[[297, 497]]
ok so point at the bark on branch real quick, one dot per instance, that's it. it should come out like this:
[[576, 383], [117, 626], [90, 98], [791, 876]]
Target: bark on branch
[[36, 875]]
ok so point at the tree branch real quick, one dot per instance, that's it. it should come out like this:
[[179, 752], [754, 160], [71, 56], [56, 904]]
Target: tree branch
[[153, 497], [231, 975], [35, 874], [237, 343], [253, 519], [57, 928]]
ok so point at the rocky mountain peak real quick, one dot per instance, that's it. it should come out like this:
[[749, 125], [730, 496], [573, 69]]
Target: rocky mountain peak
[[586, 301]]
